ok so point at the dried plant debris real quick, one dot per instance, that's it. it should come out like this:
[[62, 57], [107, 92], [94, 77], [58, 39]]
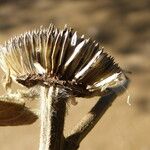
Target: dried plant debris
[[13, 110], [52, 56]]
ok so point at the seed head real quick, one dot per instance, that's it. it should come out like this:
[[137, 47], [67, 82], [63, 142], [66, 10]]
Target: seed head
[[52, 56]]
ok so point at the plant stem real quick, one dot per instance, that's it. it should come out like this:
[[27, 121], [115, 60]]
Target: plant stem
[[88, 122], [53, 109]]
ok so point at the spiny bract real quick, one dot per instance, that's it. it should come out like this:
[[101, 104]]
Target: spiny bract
[[52, 56]]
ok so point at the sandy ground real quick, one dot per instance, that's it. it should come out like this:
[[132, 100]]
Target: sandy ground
[[123, 28]]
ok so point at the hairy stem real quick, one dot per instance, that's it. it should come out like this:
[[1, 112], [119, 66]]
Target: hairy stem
[[88, 122], [53, 108]]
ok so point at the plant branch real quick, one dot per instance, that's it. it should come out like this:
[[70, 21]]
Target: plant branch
[[79, 132]]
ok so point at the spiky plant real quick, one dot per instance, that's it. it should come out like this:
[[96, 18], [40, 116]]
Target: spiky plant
[[65, 66]]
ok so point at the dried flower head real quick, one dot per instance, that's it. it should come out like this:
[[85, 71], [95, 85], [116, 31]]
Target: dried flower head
[[65, 66], [52, 56]]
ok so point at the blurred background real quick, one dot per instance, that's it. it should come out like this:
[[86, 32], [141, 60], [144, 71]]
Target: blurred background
[[123, 28]]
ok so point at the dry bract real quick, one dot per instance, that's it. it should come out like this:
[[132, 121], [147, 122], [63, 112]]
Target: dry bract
[[52, 56]]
